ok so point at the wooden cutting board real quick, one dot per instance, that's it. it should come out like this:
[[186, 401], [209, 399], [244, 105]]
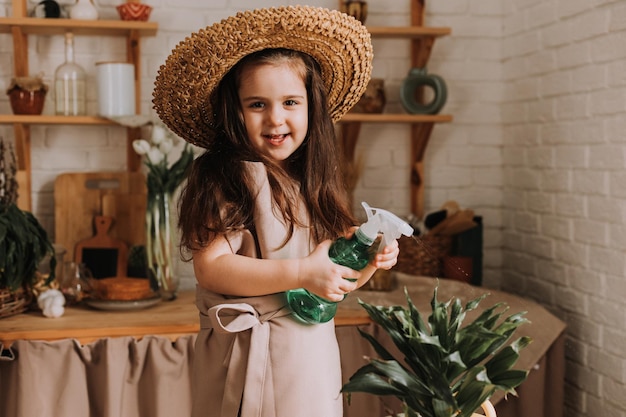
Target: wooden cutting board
[[129, 211], [105, 256], [79, 197]]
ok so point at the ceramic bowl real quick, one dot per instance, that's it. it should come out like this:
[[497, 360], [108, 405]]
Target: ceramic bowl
[[134, 11]]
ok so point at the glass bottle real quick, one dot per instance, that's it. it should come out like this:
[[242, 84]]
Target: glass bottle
[[69, 83]]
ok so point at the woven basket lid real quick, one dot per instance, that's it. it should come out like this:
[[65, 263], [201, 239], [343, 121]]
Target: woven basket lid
[[338, 42]]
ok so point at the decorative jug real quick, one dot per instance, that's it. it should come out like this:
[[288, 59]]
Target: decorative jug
[[84, 10], [48, 9]]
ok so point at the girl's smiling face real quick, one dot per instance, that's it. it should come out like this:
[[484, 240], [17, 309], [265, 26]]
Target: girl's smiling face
[[274, 105]]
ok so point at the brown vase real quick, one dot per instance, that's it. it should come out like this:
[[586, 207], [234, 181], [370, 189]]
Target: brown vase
[[355, 8], [374, 99]]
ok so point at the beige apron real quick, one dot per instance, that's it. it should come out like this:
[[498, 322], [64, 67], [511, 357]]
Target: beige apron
[[251, 353]]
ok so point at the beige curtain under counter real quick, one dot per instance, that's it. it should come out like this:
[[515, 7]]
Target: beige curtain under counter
[[112, 377]]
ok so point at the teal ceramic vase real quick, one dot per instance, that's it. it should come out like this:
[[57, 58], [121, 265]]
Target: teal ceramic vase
[[410, 92]]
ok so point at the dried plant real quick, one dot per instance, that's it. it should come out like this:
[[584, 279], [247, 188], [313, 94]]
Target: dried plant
[[8, 183]]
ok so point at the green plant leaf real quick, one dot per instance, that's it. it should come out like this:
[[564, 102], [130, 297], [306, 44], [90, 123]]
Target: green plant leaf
[[399, 377], [23, 245], [380, 349], [455, 366], [506, 357], [509, 380], [371, 383], [414, 315], [442, 408], [474, 390]]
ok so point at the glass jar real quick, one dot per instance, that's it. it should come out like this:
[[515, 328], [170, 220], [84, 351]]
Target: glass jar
[[76, 282], [27, 95]]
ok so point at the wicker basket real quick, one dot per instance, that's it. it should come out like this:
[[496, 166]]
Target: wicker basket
[[423, 256], [13, 302], [382, 280]]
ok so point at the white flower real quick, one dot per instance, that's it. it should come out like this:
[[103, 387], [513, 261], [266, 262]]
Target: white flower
[[163, 176], [166, 146], [141, 146], [159, 134], [155, 156]]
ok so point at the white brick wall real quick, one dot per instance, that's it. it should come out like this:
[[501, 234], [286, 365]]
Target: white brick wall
[[565, 155], [538, 92]]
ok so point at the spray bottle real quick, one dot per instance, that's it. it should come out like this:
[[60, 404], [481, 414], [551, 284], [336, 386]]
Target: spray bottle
[[353, 253]]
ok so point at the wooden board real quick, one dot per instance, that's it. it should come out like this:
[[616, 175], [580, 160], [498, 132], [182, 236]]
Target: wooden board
[[129, 213], [104, 255], [79, 197]]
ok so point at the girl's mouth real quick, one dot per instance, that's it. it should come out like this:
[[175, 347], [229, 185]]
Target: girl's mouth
[[275, 139]]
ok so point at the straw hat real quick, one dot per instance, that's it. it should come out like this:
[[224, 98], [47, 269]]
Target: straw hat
[[338, 42]]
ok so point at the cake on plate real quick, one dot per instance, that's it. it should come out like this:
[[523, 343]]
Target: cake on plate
[[123, 289]]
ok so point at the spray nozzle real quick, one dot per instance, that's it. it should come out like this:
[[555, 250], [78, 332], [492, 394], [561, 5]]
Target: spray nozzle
[[385, 222]]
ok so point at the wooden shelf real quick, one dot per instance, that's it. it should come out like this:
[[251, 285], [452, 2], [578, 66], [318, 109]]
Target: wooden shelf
[[19, 25], [41, 26], [409, 32], [395, 118], [54, 120], [422, 39]]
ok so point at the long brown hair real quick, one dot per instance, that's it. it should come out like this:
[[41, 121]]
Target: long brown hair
[[217, 197]]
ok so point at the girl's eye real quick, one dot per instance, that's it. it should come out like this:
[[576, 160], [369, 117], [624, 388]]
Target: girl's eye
[[257, 105], [291, 103]]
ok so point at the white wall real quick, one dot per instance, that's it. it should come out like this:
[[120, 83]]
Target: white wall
[[565, 186], [537, 89]]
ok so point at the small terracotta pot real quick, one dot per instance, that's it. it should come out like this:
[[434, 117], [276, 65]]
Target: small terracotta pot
[[26, 101], [134, 11]]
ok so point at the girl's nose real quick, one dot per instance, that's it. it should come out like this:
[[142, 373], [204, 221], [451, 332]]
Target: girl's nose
[[276, 116]]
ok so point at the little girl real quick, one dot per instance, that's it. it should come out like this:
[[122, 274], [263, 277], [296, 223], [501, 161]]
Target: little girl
[[260, 92]]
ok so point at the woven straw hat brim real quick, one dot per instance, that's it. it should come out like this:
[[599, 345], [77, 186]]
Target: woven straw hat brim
[[338, 42]]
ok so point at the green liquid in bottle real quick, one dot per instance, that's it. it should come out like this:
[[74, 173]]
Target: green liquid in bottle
[[309, 307], [350, 252]]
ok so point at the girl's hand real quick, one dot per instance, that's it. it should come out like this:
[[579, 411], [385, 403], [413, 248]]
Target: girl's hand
[[321, 276], [385, 259], [388, 257]]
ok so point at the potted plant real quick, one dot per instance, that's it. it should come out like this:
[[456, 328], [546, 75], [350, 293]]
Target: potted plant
[[23, 244], [448, 370]]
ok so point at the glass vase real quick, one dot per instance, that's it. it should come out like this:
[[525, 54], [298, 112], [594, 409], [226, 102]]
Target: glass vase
[[159, 244]]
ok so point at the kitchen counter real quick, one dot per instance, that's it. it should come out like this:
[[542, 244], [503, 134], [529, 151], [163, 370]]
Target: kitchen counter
[[153, 349], [85, 324], [170, 319]]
